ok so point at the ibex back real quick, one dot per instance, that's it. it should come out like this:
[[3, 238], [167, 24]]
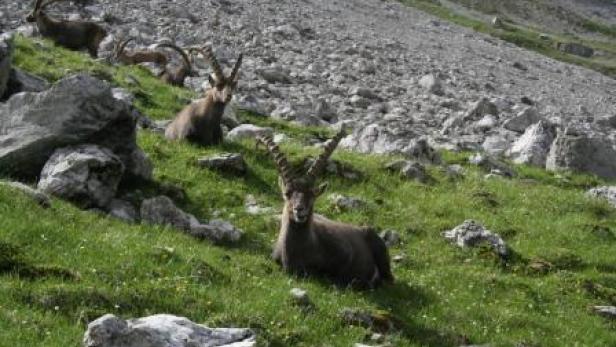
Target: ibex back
[[74, 35]]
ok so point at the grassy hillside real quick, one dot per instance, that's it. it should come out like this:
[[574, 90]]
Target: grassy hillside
[[529, 35], [62, 267]]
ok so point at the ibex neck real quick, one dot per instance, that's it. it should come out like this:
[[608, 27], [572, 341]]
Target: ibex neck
[[216, 108]]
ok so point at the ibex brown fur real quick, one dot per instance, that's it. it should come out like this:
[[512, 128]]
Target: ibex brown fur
[[138, 56], [310, 244], [175, 75], [200, 121], [74, 35]]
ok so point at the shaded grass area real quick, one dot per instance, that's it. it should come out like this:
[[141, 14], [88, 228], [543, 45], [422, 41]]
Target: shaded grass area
[[529, 38], [443, 296]]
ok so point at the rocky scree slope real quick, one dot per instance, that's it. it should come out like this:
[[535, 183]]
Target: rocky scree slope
[[365, 62]]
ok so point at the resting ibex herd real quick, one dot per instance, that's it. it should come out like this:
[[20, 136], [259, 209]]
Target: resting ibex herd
[[70, 34], [310, 244]]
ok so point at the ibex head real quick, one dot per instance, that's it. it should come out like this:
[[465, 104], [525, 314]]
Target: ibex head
[[300, 192], [38, 8], [222, 86]]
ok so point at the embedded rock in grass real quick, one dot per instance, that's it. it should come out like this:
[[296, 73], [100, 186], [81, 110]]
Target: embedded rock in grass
[[346, 203], [217, 231], [161, 210], [606, 311], [607, 193], [533, 147], [470, 234], [575, 49], [6, 55], [380, 321], [583, 151], [162, 330], [390, 237], [123, 210], [491, 164], [76, 110], [225, 162], [420, 149], [86, 175], [409, 169], [252, 207], [248, 131], [35, 194], [300, 297]]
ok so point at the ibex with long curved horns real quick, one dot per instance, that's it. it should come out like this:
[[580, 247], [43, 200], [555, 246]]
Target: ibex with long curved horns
[[74, 35], [176, 75], [310, 244], [138, 56], [200, 121]]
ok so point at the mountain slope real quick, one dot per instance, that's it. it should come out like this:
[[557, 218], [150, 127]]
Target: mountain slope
[[61, 267]]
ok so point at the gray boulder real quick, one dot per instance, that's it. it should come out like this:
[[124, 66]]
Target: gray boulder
[[162, 330], [521, 121], [533, 147], [346, 203], [607, 193], [6, 54], [21, 81], [248, 131], [480, 109], [431, 84], [491, 164], [374, 139], [583, 152], [217, 231], [86, 175], [78, 109], [606, 311], [471, 233], [419, 149]]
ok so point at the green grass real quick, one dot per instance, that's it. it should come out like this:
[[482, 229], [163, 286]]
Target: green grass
[[62, 267], [529, 38]]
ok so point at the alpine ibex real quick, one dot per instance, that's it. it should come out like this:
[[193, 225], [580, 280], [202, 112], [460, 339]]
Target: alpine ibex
[[310, 244], [199, 122], [176, 75], [138, 56], [74, 35]]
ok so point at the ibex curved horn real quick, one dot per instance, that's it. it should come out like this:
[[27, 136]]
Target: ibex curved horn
[[122, 46], [281, 160], [185, 58], [236, 68], [208, 54], [319, 164]]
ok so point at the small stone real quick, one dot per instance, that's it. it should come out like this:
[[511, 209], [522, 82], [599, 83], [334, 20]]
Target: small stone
[[248, 131], [432, 84], [491, 164], [471, 233], [252, 206], [390, 237], [606, 311], [123, 210], [346, 203], [605, 192], [300, 297]]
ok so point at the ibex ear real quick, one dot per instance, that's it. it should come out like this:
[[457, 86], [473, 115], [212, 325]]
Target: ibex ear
[[211, 80], [321, 189]]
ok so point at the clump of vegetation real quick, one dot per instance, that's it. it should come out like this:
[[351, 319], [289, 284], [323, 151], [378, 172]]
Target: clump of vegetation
[[443, 296]]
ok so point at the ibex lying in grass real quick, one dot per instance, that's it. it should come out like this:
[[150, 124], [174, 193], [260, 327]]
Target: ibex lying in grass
[[176, 75], [138, 56], [69, 34], [310, 244], [199, 122]]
